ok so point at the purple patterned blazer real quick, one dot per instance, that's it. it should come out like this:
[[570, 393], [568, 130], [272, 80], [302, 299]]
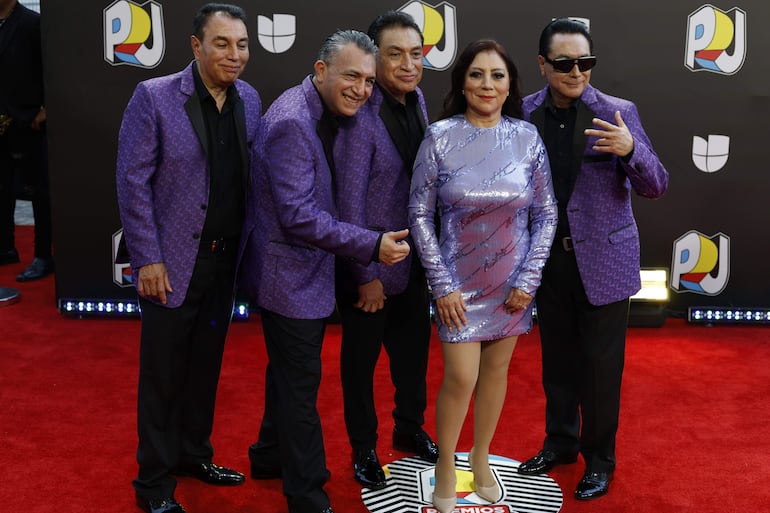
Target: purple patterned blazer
[[289, 261], [163, 173], [601, 222], [373, 183]]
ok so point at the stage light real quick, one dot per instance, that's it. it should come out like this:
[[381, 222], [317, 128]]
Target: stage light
[[727, 315], [654, 285], [648, 306], [95, 308]]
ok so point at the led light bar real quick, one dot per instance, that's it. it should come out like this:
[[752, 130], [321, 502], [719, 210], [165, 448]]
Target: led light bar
[[93, 308], [727, 315]]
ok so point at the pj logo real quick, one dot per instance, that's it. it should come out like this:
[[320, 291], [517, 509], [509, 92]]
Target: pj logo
[[439, 32], [700, 264], [133, 34], [716, 40]]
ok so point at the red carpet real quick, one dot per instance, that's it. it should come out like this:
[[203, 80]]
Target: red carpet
[[694, 433]]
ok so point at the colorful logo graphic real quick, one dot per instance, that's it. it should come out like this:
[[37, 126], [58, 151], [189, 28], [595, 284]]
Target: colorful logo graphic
[[121, 270], [700, 264], [133, 34], [710, 155], [716, 40], [439, 32], [278, 34]]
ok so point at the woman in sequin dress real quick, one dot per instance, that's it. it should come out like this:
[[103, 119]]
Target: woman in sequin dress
[[485, 173]]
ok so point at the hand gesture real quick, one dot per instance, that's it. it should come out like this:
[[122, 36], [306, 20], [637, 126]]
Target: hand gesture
[[615, 139], [393, 247], [153, 282]]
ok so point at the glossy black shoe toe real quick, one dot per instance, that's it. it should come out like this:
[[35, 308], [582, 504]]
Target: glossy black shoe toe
[[544, 461], [593, 485], [419, 443], [367, 469], [39, 268], [167, 505], [211, 473]]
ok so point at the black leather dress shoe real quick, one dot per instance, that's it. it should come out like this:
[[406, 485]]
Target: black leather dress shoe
[[544, 461], [264, 465], [9, 257], [39, 268], [367, 469], [168, 505], [211, 473], [593, 485], [419, 443]]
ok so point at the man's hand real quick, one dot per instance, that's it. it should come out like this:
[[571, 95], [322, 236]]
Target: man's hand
[[517, 300], [153, 282], [393, 247], [39, 119], [451, 310], [616, 139], [371, 296]]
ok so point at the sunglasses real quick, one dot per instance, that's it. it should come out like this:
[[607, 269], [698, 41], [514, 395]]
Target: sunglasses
[[565, 65]]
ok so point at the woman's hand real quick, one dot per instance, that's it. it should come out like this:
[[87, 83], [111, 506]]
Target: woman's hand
[[451, 310], [517, 300]]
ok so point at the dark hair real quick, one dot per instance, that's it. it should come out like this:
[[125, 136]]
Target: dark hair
[[335, 42], [392, 19], [208, 10], [454, 101], [563, 26]]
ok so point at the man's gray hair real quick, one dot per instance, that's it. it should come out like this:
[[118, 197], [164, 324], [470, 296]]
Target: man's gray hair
[[333, 44]]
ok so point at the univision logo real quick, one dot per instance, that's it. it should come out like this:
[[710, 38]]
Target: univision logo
[[710, 155], [133, 34], [277, 35]]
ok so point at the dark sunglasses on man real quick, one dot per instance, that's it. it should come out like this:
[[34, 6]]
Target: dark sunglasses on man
[[565, 65]]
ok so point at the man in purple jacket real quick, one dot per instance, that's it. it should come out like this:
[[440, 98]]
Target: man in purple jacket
[[583, 301], [290, 259], [183, 187], [384, 306]]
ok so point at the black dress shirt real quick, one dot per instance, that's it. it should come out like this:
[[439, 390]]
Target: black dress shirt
[[558, 137], [410, 129], [225, 209]]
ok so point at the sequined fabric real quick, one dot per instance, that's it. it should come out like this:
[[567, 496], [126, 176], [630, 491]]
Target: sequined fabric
[[492, 190]]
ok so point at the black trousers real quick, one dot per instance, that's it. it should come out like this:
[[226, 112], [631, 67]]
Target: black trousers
[[179, 363], [291, 426], [583, 350], [24, 157], [403, 328]]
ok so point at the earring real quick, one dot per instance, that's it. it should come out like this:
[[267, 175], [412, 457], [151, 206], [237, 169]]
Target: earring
[[462, 92]]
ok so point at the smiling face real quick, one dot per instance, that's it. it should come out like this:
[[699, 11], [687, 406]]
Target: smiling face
[[399, 61], [224, 51], [566, 87], [346, 82], [486, 87]]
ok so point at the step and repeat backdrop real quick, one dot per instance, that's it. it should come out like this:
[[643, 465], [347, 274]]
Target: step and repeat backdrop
[[697, 72]]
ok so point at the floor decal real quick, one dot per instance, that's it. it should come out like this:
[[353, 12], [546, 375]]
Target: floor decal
[[410, 487]]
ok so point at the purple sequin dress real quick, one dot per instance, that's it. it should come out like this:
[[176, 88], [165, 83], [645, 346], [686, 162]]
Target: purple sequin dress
[[492, 190]]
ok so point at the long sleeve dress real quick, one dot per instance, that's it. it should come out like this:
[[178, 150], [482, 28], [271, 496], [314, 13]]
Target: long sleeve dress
[[490, 190]]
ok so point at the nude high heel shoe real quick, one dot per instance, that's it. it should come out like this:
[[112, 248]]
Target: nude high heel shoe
[[488, 493], [444, 504]]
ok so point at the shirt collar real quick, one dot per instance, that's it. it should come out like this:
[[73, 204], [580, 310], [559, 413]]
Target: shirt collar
[[203, 92]]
